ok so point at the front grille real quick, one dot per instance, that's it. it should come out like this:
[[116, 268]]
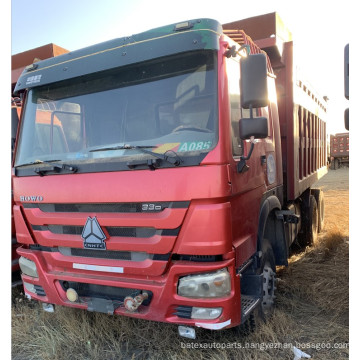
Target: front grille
[[99, 254], [139, 232], [101, 208], [111, 254], [131, 232], [64, 229], [103, 254], [198, 258], [109, 207]]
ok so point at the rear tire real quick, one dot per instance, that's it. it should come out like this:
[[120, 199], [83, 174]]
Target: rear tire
[[319, 196], [310, 228]]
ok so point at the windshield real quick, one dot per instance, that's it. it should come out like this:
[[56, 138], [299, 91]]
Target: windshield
[[166, 106]]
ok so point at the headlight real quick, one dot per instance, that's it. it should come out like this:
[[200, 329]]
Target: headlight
[[28, 267], [213, 285]]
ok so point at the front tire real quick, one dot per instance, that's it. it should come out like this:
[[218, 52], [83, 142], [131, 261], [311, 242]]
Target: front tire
[[268, 269], [265, 310]]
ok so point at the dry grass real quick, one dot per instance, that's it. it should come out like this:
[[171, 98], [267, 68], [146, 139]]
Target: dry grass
[[312, 308]]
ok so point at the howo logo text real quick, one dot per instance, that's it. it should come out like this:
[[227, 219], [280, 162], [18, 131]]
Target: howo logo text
[[31, 198], [93, 235]]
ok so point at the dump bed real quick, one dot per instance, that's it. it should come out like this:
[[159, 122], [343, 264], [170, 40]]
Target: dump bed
[[301, 110], [21, 60], [339, 145]]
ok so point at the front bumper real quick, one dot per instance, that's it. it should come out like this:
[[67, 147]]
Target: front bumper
[[164, 303]]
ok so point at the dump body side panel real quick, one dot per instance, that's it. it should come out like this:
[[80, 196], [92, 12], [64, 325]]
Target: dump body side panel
[[301, 111], [21, 60], [302, 127]]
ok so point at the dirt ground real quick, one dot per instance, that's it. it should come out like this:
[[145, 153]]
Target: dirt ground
[[335, 185], [312, 312], [334, 180]]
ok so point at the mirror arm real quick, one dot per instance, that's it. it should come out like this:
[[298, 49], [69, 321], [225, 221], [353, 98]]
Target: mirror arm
[[242, 166]]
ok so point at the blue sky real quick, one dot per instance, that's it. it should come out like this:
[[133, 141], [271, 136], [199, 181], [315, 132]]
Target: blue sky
[[320, 30]]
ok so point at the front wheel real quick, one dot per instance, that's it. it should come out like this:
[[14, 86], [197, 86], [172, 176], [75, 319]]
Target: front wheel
[[266, 308], [268, 269]]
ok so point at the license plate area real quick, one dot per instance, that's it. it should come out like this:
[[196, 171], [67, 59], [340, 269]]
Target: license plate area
[[101, 305], [105, 298]]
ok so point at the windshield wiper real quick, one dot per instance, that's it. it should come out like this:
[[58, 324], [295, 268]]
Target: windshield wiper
[[56, 168], [36, 162], [123, 147], [174, 160], [45, 169]]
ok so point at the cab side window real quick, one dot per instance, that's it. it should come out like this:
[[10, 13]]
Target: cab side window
[[233, 73]]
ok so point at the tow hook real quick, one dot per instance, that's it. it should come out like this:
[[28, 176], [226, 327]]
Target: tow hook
[[132, 303]]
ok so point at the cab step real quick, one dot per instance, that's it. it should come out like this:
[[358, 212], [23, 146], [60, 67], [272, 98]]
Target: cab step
[[248, 304]]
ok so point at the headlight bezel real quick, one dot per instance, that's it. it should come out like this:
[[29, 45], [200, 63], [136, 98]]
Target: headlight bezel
[[216, 284], [28, 267]]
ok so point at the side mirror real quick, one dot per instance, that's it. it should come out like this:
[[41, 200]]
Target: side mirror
[[346, 71], [346, 84], [346, 118], [256, 127], [251, 128], [253, 81], [254, 94], [14, 126], [14, 122]]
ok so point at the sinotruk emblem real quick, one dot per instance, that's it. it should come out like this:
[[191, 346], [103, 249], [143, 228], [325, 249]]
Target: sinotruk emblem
[[93, 235]]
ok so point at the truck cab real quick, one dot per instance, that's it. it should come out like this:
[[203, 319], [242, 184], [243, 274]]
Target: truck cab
[[154, 187]]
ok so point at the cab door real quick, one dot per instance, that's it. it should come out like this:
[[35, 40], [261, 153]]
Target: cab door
[[249, 182]]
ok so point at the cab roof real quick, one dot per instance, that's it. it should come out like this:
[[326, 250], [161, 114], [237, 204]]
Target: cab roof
[[181, 37]]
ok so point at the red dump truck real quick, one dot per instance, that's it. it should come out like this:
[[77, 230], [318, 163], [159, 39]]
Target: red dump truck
[[15, 115], [339, 150], [18, 64], [164, 175]]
